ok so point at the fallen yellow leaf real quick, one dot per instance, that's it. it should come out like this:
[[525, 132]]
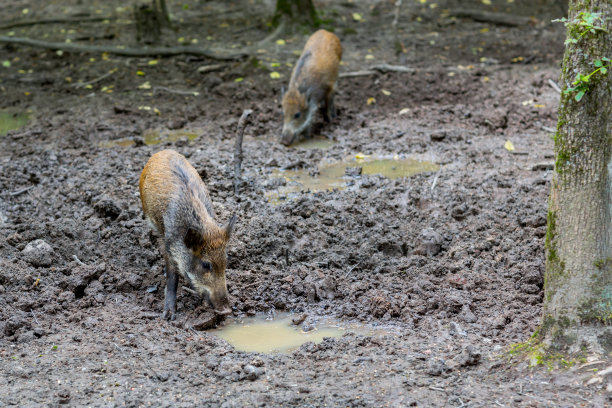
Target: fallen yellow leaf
[[153, 62], [280, 42], [371, 101], [275, 75], [509, 146], [385, 92], [404, 111]]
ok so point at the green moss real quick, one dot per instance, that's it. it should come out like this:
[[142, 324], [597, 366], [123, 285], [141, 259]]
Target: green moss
[[537, 354]]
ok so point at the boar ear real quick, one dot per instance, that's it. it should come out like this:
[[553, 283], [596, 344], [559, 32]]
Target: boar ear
[[229, 227], [193, 240]]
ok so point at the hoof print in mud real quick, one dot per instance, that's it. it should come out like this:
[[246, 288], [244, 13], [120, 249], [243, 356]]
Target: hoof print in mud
[[106, 207]]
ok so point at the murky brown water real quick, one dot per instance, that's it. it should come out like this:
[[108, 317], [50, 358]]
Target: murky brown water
[[280, 335], [333, 176], [12, 121], [151, 137]]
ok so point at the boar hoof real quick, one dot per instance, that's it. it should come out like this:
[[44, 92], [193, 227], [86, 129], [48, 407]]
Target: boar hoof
[[169, 315]]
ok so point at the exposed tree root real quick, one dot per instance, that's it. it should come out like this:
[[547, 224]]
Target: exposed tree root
[[71, 20], [130, 52]]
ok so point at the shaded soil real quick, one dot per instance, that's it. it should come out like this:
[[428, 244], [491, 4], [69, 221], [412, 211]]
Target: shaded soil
[[452, 261]]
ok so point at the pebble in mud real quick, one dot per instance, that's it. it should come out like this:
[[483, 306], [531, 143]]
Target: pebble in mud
[[38, 253], [251, 372], [436, 367]]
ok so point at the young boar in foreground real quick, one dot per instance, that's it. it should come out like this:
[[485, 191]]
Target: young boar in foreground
[[175, 201], [311, 86]]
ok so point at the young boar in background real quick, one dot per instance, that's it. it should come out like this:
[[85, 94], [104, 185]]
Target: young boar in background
[[175, 201], [311, 86]]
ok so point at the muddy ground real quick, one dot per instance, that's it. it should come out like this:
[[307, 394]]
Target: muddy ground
[[450, 262]]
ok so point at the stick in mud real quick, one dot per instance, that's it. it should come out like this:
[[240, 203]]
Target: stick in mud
[[238, 148]]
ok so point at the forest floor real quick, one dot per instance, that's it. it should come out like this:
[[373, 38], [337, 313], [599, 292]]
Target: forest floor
[[449, 262]]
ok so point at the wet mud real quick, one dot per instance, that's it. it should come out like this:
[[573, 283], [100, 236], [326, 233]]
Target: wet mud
[[448, 261]]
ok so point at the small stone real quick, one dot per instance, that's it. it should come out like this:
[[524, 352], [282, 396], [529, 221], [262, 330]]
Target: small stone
[[430, 242], [467, 315], [257, 362], [38, 253], [456, 330], [469, 357], [438, 135], [353, 171], [163, 376], [436, 367], [251, 372]]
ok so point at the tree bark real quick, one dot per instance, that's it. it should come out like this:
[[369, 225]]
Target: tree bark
[[578, 281], [296, 11]]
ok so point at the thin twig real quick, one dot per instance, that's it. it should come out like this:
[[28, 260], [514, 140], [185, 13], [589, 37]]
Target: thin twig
[[35, 319], [551, 130], [174, 91], [431, 387], [98, 79], [498, 403], [351, 269], [125, 51], [238, 148], [435, 181], [186, 289], [554, 85], [78, 260], [20, 191]]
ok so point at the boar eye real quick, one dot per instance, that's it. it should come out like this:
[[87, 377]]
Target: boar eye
[[297, 115], [206, 266]]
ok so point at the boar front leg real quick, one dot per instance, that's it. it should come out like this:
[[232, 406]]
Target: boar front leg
[[170, 292]]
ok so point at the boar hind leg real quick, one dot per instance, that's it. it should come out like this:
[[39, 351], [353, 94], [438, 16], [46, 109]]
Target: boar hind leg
[[329, 110], [171, 286]]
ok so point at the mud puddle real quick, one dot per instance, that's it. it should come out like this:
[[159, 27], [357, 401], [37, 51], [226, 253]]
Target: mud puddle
[[317, 142], [279, 335], [152, 137], [339, 175], [11, 121]]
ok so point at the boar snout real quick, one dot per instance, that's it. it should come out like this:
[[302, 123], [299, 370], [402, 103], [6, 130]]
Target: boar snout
[[219, 301], [287, 138]]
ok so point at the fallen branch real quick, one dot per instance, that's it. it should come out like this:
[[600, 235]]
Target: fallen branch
[[554, 85], [495, 18], [129, 52], [356, 74], [384, 68], [238, 148], [26, 23], [158, 89]]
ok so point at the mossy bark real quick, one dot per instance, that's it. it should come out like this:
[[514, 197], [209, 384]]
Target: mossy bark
[[295, 11], [578, 281]]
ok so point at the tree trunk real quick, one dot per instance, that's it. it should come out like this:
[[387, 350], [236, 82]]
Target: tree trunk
[[578, 281], [295, 11]]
